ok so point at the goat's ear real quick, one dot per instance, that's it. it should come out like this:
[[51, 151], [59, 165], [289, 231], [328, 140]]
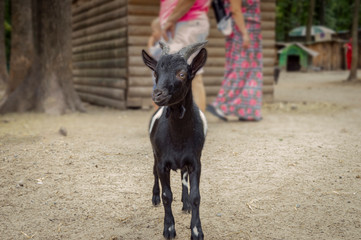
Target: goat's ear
[[198, 61], [148, 60]]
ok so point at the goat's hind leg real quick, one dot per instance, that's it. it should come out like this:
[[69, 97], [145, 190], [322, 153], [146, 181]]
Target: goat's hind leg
[[156, 191], [185, 196]]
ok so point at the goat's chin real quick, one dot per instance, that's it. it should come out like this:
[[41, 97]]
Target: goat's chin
[[162, 101]]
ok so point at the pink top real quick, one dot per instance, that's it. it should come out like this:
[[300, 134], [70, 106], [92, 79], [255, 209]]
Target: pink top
[[167, 6]]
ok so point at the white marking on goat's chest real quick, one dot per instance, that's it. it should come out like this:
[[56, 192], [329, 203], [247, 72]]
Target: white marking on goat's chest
[[204, 120], [195, 231], [184, 179], [155, 117]]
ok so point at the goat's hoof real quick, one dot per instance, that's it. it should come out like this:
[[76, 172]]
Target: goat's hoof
[[186, 209], [169, 232], [156, 200], [197, 233]]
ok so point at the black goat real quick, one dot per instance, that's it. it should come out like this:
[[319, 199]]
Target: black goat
[[177, 132]]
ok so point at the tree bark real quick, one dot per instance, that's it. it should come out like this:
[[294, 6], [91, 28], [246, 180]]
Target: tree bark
[[22, 55], [355, 56], [48, 87], [309, 21], [3, 69]]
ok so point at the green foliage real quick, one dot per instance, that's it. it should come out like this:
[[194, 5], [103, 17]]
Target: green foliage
[[335, 14]]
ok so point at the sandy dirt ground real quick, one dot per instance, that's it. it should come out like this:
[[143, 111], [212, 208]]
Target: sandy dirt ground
[[294, 175]]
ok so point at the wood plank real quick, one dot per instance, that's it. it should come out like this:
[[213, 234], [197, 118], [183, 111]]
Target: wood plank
[[99, 73], [104, 36], [112, 93], [103, 101], [108, 54], [111, 25], [105, 17], [108, 63], [103, 8], [105, 82], [86, 6], [150, 10], [100, 46]]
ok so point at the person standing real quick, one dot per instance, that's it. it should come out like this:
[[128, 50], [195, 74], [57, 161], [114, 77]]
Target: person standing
[[241, 91], [185, 22]]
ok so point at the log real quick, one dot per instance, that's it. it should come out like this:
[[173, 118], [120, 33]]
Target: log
[[115, 53], [268, 43], [103, 8], [99, 73], [267, 97], [105, 82], [269, 53], [143, 2], [213, 80], [108, 16], [268, 62], [134, 20], [98, 29], [100, 46], [140, 92], [150, 10], [268, 89], [113, 93], [268, 16], [269, 34], [103, 101], [86, 6], [108, 63], [140, 81], [268, 71], [104, 36], [268, 25], [268, 6], [268, 80]]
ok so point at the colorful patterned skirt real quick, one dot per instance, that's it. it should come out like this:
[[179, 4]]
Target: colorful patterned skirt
[[241, 91]]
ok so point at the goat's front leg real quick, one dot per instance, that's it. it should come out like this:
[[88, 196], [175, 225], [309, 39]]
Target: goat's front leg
[[156, 191], [185, 196], [195, 198], [167, 198]]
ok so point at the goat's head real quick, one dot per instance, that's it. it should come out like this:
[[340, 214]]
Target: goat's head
[[173, 75]]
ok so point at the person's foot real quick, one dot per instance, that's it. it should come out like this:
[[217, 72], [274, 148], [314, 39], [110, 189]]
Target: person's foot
[[249, 120], [216, 112]]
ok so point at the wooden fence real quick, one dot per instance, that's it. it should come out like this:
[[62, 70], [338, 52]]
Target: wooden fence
[[108, 36]]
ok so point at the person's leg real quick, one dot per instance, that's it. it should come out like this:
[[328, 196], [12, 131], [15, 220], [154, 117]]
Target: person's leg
[[199, 93]]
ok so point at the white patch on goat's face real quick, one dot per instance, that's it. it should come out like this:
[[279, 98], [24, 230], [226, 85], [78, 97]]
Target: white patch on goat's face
[[204, 121], [195, 231], [155, 117], [184, 179], [164, 194]]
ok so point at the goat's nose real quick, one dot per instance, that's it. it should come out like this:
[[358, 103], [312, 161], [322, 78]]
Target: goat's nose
[[157, 93]]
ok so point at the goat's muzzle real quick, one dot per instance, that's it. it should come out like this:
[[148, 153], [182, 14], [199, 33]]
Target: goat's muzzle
[[161, 97]]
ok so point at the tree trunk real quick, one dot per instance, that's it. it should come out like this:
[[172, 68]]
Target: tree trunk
[[309, 21], [355, 56], [49, 86], [3, 70], [22, 55]]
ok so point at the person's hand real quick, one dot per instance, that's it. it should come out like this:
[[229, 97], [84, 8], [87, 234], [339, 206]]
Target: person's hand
[[168, 27], [246, 40]]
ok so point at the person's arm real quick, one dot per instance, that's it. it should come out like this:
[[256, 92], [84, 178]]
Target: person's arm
[[180, 9], [150, 41], [236, 10]]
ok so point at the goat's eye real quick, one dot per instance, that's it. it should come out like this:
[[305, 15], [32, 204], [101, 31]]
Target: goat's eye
[[181, 75]]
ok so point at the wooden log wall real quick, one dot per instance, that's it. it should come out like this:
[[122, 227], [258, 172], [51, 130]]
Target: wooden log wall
[[108, 36], [100, 51]]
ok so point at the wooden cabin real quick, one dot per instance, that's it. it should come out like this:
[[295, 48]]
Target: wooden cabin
[[108, 36]]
